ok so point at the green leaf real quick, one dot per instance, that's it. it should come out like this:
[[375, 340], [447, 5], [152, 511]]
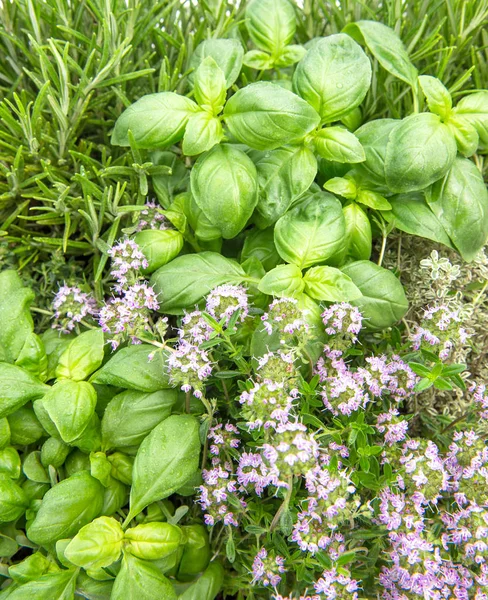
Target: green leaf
[[473, 109], [83, 356], [165, 461], [13, 501], [439, 99], [338, 144], [333, 77], [15, 318], [467, 138], [60, 585], [209, 86], [374, 138], [152, 541], [386, 47], [265, 116], [32, 568], [271, 24], [17, 387], [141, 580], [156, 121], [66, 507], [70, 406], [283, 176], [373, 200], [259, 244], [24, 427], [224, 185], [93, 590], [138, 367], [207, 586], [131, 415], [358, 232], [412, 215], [420, 151], [460, 202], [203, 132], [33, 357], [227, 54], [187, 279], [97, 544], [34, 469], [282, 281], [10, 462], [311, 232], [196, 552], [257, 59], [328, 283], [159, 246], [54, 452], [290, 55], [383, 302], [342, 186], [419, 369]]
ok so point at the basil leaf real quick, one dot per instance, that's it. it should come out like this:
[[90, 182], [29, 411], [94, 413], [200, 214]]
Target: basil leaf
[[385, 45], [438, 98], [311, 232], [152, 541], [141, 580], [116, 495], [342, 186], [196, 552], [283, 175], [70, 406], [338, 144], [159, 246], [257, 59], [358, 232], [165, 461], [383, 302], [131, 415], [203, 132], [96, 545], [24, 427], [33, 357], [460, 202], [265, 116], [271, 24], [10, 462], [282, 281], [33, 468], [333, 77], [465, 134], [420, 150], [290, 55], [13, 501], [209, 86], [66, 507], [15, 319], [54, 344], [374, 137], [137, 367], [227, 54], [17, 387], [31, 568], [328, 283], [412, 215], [207, 586], [473, 109], [259, 244], [83, 356], [60, 585], [54, 452], [224, 185], [187, 279], [156, 120], [373, 200], [93, 590]]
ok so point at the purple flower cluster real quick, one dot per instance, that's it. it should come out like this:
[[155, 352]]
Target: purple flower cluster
[[189, 367], [267, 404], [267, 568], [151, 218], [218, 496], [344, 322], [225, 300], [127, 263], [285, 317], [71, 306], [222, 438]]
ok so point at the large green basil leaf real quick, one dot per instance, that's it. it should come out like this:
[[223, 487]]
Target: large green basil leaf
[[265, 116], [467, 138], [155, 120], [207, 586], [383, 302], [141, 580], [385, 45], [15, 319], [31, 568], [96, 545], [13, 501], [260, 244], [202, 133], [91, 589], [197, 219], [33, 468], [55, 344], [339, 145], [358, 233], [334, 76], [60, 585], [412, 215], [137, 367], [70, 406], [165, 461], [271, 24], [24, 427], [83, 356], [311, 232], [66, 507], [283, 175], [184, 281], [17, 387], [152, 541], [227, 54], [374, 138], [330, 284], [282, 281], [460, 202], [225, 187], [131, 415], [10, 462], [33, 357], [159, 246], [473, 109], [420, 150]]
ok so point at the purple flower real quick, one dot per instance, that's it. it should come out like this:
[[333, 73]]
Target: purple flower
[[151, 218], [267, 404], [344, 322], [285, 318], [71, 306], [267, 568], [334, 585], [194, 328], [127, 263], [225, 300], [219, 497], [392, 426], [223, 439], [189, 367]]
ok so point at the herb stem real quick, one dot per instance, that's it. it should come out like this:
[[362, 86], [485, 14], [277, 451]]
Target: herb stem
[[283, 506]]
